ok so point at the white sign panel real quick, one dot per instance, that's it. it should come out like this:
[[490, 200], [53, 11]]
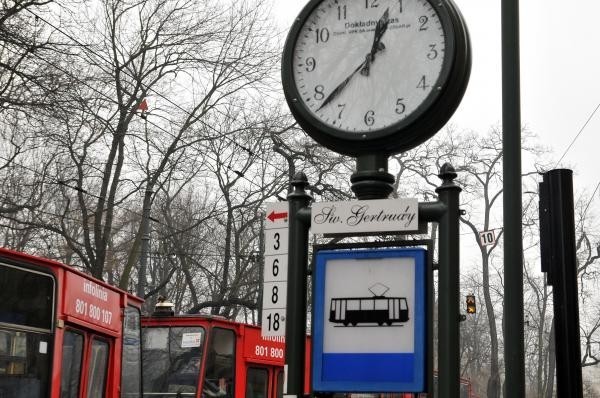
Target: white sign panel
[[273, 323], [189, 340], [360, 279], [386, 215], [274, 295], [276, 269], [276, 241], [487, 238], [277, 215]]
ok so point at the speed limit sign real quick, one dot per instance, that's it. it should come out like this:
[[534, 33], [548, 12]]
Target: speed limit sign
[[487, 238]]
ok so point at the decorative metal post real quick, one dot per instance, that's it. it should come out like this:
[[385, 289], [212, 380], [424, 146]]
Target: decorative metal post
[[295, 319], [371, 179], [448, 278]]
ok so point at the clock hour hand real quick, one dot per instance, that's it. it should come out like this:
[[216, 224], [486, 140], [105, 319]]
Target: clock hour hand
[[380, 29]]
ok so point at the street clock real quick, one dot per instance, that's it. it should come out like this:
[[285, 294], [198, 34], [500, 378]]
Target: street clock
[[375, 76]]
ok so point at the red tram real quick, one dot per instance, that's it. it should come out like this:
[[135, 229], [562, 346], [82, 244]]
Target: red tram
[[65, 334], [206, 356], [203, 356]]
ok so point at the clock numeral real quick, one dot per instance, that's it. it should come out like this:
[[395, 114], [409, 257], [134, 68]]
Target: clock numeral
[[433, 53], [370, 118], [341, 107], [342, 12], [423, 21], [423, 84], [311, 64], [322, 35], [319, 92], [400, 107], [401, 9], [371, 3]]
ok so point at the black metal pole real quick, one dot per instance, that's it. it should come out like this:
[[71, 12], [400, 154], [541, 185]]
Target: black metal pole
[[295, 329], [513, 230], [564, 283], [371, 179], [448, 290]]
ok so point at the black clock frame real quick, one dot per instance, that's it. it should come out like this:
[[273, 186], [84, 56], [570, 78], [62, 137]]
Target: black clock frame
[[431, 115]]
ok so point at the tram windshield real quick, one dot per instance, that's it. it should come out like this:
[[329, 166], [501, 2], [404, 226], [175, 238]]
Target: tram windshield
[[171, 360], [26, 314]]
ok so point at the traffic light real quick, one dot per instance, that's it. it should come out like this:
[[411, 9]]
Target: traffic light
[[471, 307]]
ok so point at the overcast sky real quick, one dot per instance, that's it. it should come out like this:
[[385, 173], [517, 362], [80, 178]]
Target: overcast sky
[[560, 75]]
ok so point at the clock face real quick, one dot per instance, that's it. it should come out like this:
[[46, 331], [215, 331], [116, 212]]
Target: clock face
[[365, 77], [362, 66]]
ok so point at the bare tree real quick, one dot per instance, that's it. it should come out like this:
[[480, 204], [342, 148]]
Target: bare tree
[[191, 61]]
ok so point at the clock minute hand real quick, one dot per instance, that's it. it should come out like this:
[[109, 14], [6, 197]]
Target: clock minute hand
[[340, 87]]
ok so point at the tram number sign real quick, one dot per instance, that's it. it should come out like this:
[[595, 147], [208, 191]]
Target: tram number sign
[[274, 295], [276, 241], [276, 270], [487, 238], [273, 323]]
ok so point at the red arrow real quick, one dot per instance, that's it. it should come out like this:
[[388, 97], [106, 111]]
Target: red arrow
[[276, 216]]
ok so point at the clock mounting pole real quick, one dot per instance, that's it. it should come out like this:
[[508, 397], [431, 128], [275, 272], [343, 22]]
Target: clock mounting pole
[[371, 179]]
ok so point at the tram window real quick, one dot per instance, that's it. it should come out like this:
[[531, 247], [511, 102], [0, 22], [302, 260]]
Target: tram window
[[403, 304], [353, 304], [257, 381], [98, 367], [171, 360], [24, 364], [27, 297], [218, 379], [367, 304], [71, 364], [381, 304], [131, 368]]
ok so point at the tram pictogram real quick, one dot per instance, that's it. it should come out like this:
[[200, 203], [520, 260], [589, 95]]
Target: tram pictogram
[[377, 309]]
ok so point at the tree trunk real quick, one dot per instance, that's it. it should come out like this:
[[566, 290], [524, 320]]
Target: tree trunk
[[493, 385]]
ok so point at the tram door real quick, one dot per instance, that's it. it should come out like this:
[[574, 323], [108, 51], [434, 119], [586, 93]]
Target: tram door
[[258, 383], [85, 364]]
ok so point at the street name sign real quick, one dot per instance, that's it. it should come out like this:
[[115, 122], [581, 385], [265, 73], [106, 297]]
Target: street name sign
[[369, 320], [365, 216]]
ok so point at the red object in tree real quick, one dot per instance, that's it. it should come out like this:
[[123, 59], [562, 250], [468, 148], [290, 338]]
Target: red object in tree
[[143, 107]]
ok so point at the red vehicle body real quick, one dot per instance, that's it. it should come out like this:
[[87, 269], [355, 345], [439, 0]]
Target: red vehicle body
[[65, 334], [206, 356]]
